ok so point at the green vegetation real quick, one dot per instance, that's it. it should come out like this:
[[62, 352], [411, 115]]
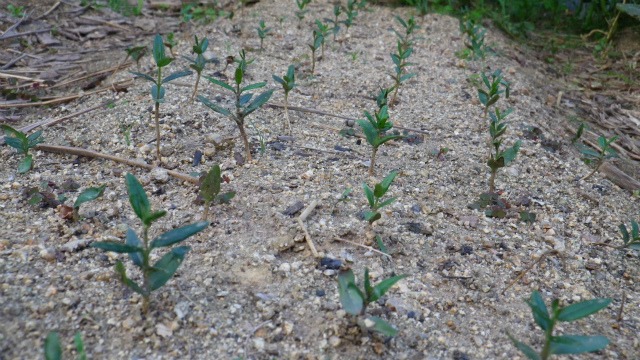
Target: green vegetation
[[318, 39], [199, 62], [53, 347], [136, 53], [205, 14], [495, 87], [475, 47], [170, 43], [597, 158], [301, 12], [156, 275], [157, 89], [355, 301], [288, 82], [210, 190], [15, 11], [22, 143], [562, 344], [376, 126], [243, 104], [263, 32], [499, 158], [631, 241], [374, 197]]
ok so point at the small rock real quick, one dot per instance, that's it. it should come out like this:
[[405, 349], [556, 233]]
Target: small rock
[[48, 254], [418, 228], [320, 293], [164, 331], [285, 268], [181, 309], [51, 290], [329, 263], [74, 245], [329, 272], [334, 341], [258, 343], [159, 175], [287, 327], [293, 208]]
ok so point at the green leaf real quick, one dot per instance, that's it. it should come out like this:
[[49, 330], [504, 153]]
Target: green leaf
[[16, 143], [368, 289], [177, 75], [132, 239], [158, 49], [381, 244], [239, 75], [258, 102], [137, 197], [369, 131], [526, 349], [385, 183], [630, 9], [253, 86], [115, 246], [157, 94], [372, 216], [89, 194], [153, 217], [539, 310], [77, 340], [382, 327], [582, 309], [220, 83], [210, 186], [384, 286], [52, 347], [510, 153], [177, 235], [351, 297], [244, 99], [634, 230], [576, 344], [164, 269], [369, 194], [34, 139], [9, 131], [26, 164], [214, 107], [278, 79], [386, 202], [120, 270], [226, 197], [144, 76]]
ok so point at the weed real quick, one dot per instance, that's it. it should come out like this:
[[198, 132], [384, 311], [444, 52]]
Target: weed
[[400, 60], [475, 39], [53, 347], [375, 127], [597, 158], [494, 88], [156, 275], [631, 241], [374, 197], [22, 143], [317, 43], [562, 344], [263, 32], [243, 104], [199, 62], [15, 11], [499, 158], [288, 82], [157, 90], [323, 30], [355, 301], [302, 4], [210, 190]]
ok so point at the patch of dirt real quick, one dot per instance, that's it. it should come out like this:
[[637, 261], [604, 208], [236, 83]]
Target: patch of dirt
[[250, 288]]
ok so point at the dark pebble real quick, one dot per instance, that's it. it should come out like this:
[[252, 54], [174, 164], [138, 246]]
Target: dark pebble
[[293, 208], [329, 263], [197, 158], [278, 146], [411, 314], [320, 293], [466, 250], [459, 355]]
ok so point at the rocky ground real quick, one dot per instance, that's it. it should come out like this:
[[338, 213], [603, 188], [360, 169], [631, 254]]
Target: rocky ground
[[250, 287]]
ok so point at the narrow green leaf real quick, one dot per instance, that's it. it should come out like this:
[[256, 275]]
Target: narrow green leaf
[[177, 235], [26, 164], [214, 107], [369, 194], [132, 239], [210, 186], [526, 349], [372, 216], [351, 297], [382, 327], [220, 83], [226, 197], [177, 75], [115, 246], [384, 286], [153, 217], [582, 309], [17, 144], [386, 202], [258, 102], [52, 347], [386, 182], [576, 344], [34, 139], [634, 230], [239, 75], [381, 244], [157, 94], [144, 76], [120, 270], [165, 268], [81, 353], [278, 79], [539, 310], [158, 49], [137, 197], [89, 194], [253, 86], [9, 131]]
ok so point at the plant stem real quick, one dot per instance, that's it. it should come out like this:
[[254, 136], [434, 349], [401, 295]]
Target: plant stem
[[286, 110], [145, 270], [313, 61], [546, 350], [195, 88], [492, 180], [205, 214], [243, 134], [373, 160], [158, 132], [594, 170]]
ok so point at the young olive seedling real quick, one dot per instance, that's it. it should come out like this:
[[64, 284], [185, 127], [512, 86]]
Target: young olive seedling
[[22, 143], [376, 126], [410, 27], [302, 4], [631, 241], [337, 11], [263, 32], [317, 42], [374, 197], [199, 62], [597, 158], [499, 158], [170, 43], [136, 53], [400, 60], [288, 82], [243, 104], [562, 344], [53, 347], [475, 47], [355, 301], [157, 89], [87, 195], [323, 30], [156, 275], [351, 13], [210, 190], [495, 87], [421, 6]]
